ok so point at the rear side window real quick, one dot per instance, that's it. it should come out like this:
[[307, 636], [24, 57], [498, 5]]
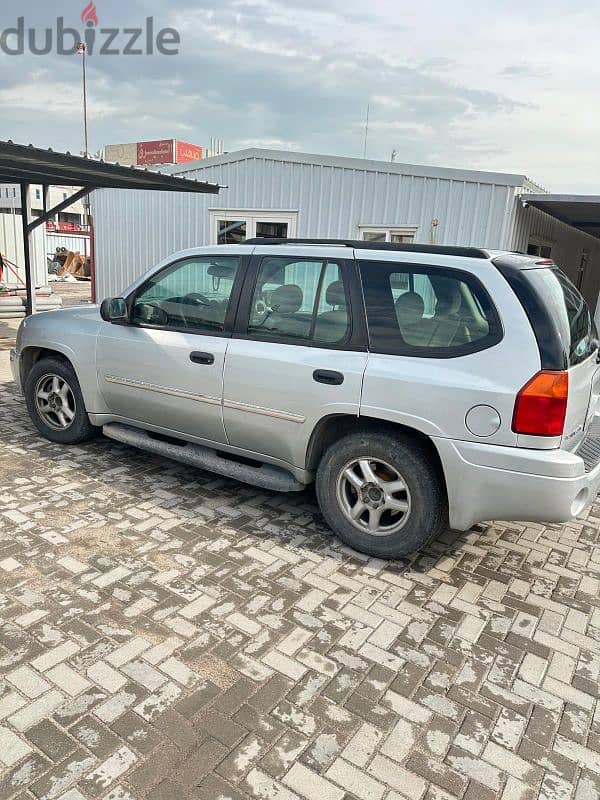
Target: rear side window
[[300, 300], [569, 312], [427, 311]]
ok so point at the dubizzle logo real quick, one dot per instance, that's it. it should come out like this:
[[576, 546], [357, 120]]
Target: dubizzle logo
[[102, 41], [89, 15]]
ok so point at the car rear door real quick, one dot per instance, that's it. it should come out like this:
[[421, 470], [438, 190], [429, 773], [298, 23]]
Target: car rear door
[[298, 352], [164, 367]]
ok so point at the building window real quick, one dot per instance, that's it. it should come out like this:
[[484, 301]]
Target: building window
[[542, 248], [395, 234], [37, 194], [234, 226]]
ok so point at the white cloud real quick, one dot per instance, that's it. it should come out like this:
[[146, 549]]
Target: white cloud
[[508, 87]]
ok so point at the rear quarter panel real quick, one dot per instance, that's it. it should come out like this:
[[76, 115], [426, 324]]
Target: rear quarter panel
[[433, 395]]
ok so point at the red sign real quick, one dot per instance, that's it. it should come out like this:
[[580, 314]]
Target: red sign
[[184, 151], [65, 227], [158, 152]]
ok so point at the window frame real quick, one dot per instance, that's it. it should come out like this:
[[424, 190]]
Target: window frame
[[401, 348], [251, 216], [388, 230], [232, 308], [356, 339]]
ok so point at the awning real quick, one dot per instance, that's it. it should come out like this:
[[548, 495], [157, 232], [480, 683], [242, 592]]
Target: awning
[[581, 211], [27, 165]]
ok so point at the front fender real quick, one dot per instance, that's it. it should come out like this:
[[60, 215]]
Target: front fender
[[72, 333]]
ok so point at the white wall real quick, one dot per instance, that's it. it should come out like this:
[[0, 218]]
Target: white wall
[[332, 196], [11, 246], [78, 244]]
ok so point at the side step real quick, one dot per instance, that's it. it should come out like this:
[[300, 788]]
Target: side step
[[266, 476]]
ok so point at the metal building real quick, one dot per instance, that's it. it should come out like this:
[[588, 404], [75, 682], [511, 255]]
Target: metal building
[[275, 193]]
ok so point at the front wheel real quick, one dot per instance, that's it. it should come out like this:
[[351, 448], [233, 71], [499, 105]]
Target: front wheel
[[382, 493], [55, 402]]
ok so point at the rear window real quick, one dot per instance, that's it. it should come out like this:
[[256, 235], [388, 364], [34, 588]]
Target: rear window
[[427, 311], [569, 312]]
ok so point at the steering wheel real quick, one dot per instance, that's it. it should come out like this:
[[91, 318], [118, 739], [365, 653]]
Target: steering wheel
[[196, 298]]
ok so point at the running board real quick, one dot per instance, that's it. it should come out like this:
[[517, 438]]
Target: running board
[[265, 476]]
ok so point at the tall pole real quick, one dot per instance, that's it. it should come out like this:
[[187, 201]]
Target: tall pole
[[81, 48], [85, 128], [366, 130]]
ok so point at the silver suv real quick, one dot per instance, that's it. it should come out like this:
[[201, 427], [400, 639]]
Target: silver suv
[[420, 387]]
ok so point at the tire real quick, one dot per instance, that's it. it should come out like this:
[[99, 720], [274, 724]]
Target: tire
[[40, 379], [420, 510]]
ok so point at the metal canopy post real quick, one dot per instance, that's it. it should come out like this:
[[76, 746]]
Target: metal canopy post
[[29, 282]]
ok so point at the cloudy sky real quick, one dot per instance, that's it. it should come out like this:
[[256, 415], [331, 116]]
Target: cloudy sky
[[509, 86]]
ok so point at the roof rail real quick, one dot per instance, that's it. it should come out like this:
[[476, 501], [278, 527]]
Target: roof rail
[[357, 244]]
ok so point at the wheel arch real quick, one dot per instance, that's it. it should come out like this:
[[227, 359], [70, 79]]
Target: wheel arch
[[31, 354], [334, 426]]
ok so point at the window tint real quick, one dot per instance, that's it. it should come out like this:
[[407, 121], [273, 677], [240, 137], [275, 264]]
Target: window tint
[[427, 311], [303, 300], [569, 311], [191, 294]]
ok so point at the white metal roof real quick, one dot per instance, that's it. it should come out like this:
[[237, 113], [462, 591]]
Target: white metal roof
[[362, 164]]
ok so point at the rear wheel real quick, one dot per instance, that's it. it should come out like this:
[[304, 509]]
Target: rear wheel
[[55, 402], [382, 493]]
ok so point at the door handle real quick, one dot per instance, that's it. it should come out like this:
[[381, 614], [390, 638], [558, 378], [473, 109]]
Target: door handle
[[202, 358], [328, 376]]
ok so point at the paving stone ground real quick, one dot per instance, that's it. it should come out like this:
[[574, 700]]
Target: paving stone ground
[[167, 634]]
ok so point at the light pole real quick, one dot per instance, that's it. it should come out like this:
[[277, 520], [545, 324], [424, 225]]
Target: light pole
[[81, 51]]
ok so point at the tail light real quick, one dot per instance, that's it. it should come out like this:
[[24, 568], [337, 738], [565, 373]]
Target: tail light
[[541, 405]]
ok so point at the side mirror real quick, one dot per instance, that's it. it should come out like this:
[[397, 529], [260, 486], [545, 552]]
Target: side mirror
[[114, 309]]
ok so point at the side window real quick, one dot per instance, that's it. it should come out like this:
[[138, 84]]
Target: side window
[[192, 294], [301, 300], [427, 311]]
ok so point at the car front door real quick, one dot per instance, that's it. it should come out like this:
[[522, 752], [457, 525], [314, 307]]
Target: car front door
[[298, 353], [164, 367]]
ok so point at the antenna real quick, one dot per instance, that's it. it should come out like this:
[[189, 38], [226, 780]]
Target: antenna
[[366, 130], [394, 154]]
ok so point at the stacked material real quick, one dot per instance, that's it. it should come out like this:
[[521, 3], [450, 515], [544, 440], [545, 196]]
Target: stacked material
[[12, 302]]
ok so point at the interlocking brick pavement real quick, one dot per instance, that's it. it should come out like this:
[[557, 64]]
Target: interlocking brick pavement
[[165, 634]]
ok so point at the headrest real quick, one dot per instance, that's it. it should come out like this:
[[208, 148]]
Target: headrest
[[409, 308], [335, 294], [221, 271], [287, 299], [448, 296]]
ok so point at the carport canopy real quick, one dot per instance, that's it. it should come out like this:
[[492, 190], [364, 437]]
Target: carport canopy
[[578, 210], [28, 165]]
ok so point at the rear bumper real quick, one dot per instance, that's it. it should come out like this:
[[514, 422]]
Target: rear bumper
[[487, 482], [15, 368]]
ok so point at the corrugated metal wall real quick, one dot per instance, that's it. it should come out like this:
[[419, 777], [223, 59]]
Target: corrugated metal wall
[[568, 245], [11, 245], [77, 244], [136, 229]]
